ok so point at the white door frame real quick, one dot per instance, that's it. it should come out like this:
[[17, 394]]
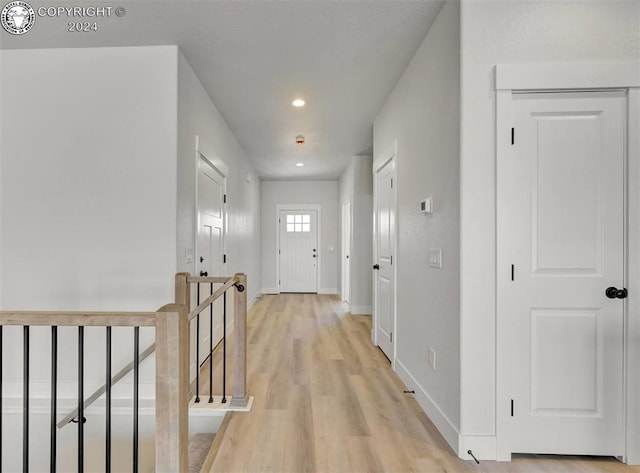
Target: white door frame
[[512, 78], [380, 160], [294, 207], [208, 156], [346, 251]]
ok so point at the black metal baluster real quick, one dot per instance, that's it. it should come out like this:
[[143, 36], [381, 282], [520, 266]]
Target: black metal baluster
[[80, 399], [224, 347], [198, 346], [108, 406], [54, 398], [211, 348], [136, 379], [25, 402]]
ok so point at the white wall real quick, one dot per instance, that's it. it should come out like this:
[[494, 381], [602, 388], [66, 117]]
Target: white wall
[[423, 114], [356, 186], [511, 32], [197, 115], [324, 193], [87, 198]]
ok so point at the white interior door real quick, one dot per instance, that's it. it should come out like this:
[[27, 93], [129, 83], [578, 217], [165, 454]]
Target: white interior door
[[346, 252], [210, 249], [385, 228], [299, 252], [566, 202]]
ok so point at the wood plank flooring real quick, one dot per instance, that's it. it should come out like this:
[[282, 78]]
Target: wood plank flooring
[[326, 400]]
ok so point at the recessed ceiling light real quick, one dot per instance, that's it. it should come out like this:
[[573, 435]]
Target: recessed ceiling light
[[299, 164], [298, 103]]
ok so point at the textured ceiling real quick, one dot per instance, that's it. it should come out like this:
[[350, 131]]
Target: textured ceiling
[[255, 57]]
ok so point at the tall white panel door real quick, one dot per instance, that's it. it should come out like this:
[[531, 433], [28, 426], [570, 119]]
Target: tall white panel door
[[385, 227], [567, 247], [299, 250], [210, 249], [346, 252]]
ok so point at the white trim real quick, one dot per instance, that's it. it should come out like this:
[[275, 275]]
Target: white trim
[[361, 309], [446, 428], [270, 290], [331, 290], [632, 355], [482, 446], [294, 207], [513, 78], [390, 155], [603, 75]]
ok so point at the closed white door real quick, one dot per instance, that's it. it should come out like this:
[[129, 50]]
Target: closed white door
[[566, 246], [346, 251], [299, 250], [384, 209], [210, 250]]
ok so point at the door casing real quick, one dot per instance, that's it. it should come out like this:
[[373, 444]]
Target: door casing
[[514, 78], [293, 207]]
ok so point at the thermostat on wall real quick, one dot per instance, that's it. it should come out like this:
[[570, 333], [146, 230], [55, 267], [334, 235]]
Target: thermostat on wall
[[426, 206]]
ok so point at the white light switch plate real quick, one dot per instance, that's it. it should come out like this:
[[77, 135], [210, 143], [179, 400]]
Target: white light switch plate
[[435, 258]]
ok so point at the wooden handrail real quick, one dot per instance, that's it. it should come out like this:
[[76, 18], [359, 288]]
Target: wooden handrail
[[86, 319], [208, 279], [221, 290]]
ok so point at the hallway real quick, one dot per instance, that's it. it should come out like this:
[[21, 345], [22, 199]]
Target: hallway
[[326, 400]]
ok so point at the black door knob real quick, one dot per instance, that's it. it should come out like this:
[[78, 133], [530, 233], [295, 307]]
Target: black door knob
[[615, 293], [314, 255], [376, 266], [203, 274]]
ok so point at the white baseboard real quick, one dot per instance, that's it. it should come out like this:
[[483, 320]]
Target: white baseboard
[[252, 301], [270, 290], [328, 291], [484, 447], [448, 430], [361, 309]]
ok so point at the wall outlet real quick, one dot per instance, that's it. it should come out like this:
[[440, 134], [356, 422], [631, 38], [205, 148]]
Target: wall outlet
[[432, 358]]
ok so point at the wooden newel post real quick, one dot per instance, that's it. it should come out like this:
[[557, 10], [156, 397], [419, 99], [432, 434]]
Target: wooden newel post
[[172, 386], [239, 397], [183, 290]]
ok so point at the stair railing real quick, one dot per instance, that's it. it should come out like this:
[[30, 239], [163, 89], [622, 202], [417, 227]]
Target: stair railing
[[172, 345]]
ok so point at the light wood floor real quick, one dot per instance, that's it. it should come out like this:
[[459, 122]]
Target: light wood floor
[[326, 400]]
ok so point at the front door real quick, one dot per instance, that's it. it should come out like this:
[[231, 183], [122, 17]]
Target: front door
[[384, 209], [299, 252], [566, 218]]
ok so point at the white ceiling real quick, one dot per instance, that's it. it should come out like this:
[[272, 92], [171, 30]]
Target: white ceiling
[[255, 57]]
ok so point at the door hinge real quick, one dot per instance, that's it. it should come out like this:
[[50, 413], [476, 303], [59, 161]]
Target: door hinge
[[513, 136], [390, 337], [279, 252], [513, 272], [391, 260], [392, 183], [511, 407], [224, 258], [224, 199]]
